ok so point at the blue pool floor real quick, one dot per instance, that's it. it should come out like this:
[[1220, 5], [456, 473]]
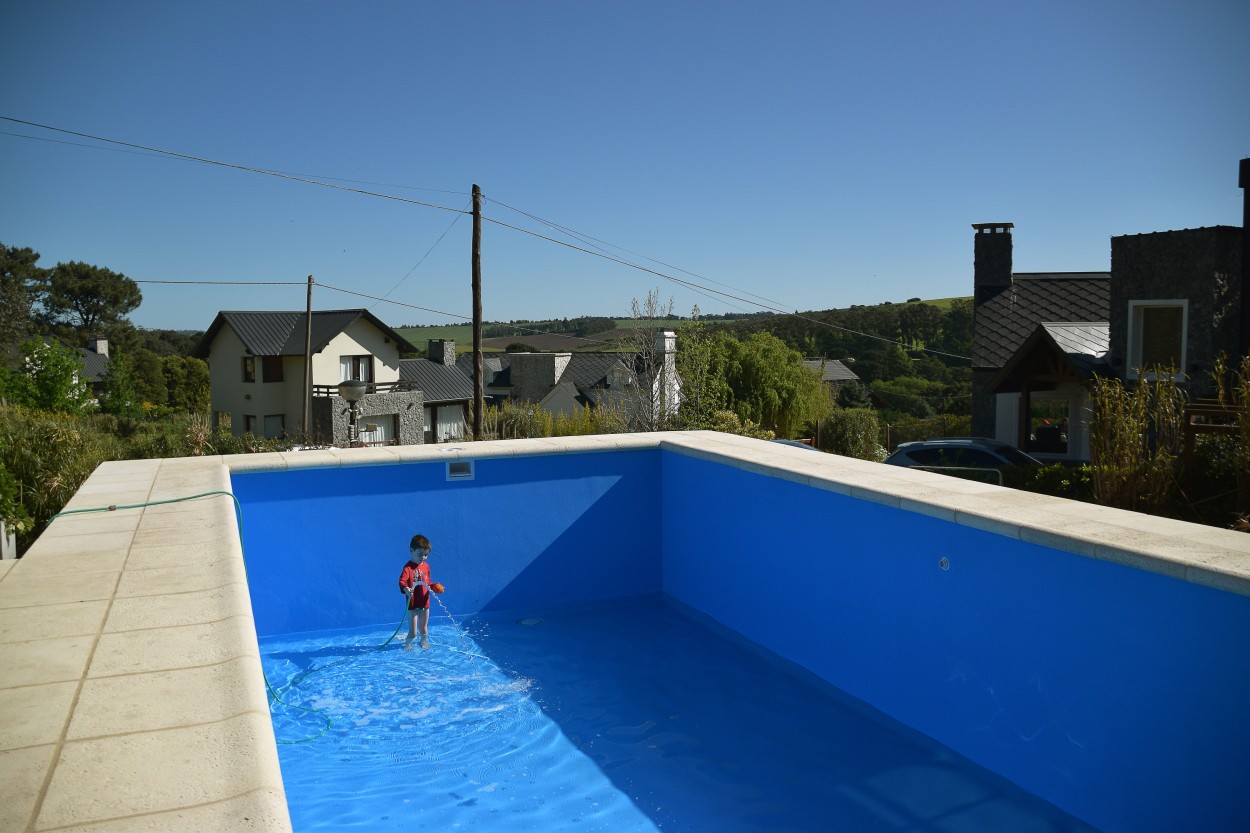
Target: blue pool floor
[[630, 716]]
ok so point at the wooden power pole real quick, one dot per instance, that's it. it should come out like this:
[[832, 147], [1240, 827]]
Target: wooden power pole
[[478, 388], [307, 362]]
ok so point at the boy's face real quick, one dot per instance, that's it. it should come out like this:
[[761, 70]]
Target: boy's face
[[419, 555]]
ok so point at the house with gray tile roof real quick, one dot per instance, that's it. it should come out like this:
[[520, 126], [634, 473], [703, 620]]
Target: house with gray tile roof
[[447, 393], [95, 362], [262, 383], [832, 372], [1173, 301], [564, 382]]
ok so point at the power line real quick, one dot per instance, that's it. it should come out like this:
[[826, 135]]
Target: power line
[[692, 285], [427, 254], [247, 168], [231, 283], [706, 291]]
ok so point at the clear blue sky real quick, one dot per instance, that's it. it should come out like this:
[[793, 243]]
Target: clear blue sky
[[816, 154]]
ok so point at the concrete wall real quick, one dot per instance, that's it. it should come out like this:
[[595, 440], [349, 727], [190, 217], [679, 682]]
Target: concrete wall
[[331, 416]]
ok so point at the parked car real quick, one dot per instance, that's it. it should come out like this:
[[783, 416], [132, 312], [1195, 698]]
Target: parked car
[[972, 457]]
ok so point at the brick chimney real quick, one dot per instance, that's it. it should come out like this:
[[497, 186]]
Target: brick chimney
[[442, 351], [99, 345], [991, 264]]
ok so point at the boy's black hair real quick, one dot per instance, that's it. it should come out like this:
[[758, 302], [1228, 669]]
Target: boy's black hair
[[419, 541]]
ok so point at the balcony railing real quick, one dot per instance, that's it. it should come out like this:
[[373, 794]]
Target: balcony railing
[[371, 387]]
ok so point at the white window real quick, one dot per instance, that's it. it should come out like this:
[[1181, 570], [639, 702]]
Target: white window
[[1156, 335], [378, 429], [357, 368]]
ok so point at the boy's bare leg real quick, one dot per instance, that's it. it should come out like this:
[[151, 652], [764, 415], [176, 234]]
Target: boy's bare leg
[[424, 616]]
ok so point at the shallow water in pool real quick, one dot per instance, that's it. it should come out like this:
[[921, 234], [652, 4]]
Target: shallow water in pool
[[634, 716]]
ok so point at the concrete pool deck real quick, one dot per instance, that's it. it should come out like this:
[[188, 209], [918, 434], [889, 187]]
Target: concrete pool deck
[[132, 698]]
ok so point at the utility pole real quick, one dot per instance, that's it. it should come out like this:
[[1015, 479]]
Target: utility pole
[[478, 390], [307, 362]]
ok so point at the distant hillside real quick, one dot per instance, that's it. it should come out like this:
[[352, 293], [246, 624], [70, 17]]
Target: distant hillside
[[581, 334]]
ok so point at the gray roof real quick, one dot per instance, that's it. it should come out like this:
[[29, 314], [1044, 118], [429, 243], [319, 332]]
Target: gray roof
[[437, 382], [493, 364], [95, 366], [1091, 340], [833, 370], [585, 370], [1007, 318], [284, 333], [1083, 344]]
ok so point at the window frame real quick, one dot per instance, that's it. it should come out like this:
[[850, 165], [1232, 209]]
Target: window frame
[[249, 370], [1136, 329]]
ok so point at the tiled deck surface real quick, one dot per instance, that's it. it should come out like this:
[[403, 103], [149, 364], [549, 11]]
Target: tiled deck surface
[[131, 695]]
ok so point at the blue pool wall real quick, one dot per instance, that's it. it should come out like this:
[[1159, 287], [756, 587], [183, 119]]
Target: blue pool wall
[[1117, 694], [324, 547]]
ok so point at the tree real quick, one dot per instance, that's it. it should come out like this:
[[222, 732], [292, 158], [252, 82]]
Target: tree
[[151, 387], [119, 396], [50, 378], [88, 299], [920, 324], [653, 396], [704, 391], [771, 385], [18, 273], [187, 383]]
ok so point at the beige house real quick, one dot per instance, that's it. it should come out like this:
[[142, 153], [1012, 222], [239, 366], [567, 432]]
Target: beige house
[[256, 366]]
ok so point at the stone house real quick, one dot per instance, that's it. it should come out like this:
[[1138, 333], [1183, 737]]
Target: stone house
[[1172, 299]]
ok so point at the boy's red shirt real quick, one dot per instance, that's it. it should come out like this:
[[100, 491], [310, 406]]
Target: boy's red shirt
[[421, 592]]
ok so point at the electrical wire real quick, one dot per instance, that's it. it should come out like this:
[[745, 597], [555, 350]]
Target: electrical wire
[[703, 290], [232, 165]]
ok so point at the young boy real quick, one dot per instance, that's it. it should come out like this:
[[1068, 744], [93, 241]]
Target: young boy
[[414, 582]]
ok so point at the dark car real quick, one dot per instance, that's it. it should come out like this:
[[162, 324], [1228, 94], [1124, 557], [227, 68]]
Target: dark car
[[972, 457]]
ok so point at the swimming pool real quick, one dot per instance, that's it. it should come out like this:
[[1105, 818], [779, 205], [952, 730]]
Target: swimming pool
[[634, 715], [1114, 693]]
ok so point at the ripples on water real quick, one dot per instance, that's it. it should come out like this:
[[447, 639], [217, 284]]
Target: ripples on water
[[628, 717]]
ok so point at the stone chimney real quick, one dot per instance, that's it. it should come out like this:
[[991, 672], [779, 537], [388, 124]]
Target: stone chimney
[[442, 351], [533, 375], [991, 264], [99, 345]]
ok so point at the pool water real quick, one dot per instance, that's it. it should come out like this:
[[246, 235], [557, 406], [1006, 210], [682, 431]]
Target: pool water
[[629, 716]]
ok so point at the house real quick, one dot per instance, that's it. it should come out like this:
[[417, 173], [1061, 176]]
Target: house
[[257, 366], [95, 362], [446, 391], [833, 373], [562, 383], [1172, 299]]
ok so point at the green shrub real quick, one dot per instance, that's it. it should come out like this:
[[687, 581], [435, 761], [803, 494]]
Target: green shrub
[[851, 432], [1061, 480]]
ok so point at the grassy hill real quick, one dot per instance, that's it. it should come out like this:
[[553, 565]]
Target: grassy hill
[[546, 335]]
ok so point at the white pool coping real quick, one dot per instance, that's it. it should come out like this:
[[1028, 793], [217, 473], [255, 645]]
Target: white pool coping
[[131, 694]]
